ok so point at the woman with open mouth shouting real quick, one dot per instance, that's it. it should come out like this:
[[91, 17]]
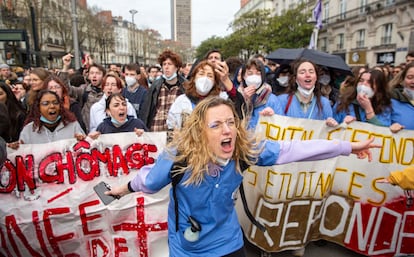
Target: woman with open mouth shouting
[[208, 153], [118, 119], [50, 121]]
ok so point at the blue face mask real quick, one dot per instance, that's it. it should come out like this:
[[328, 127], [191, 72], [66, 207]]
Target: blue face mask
[[117, 123], [44, 120], [171, 77]]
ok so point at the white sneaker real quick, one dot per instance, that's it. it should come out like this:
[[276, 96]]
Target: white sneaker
[[299, 252]]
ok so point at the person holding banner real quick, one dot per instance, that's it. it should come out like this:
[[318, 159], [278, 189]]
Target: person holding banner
[[208, 152], [111, 84], [402, 178], [257, 93], [118, 120], [402, 87], [50, 121], [304, 98], [368, 101]]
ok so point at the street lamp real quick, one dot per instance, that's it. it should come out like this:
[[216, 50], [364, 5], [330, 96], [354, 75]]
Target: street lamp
[[133, 12]]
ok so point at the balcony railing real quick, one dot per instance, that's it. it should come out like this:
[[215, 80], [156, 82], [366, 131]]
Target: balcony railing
[[386, 40], [360, 43], [364, 10]]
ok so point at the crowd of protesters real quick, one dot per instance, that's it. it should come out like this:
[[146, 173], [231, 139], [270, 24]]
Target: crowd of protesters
[[40, 106]]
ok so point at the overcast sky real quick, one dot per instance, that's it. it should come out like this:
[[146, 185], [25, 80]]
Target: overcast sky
[[209, 17]]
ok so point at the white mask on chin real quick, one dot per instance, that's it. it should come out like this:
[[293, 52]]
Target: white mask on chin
[[222, 162], [305, 92], [409, 93]]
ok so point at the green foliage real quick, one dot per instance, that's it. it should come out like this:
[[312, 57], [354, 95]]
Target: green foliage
[[209, 44], [259, 32]]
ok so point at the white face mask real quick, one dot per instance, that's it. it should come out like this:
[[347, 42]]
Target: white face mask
[[325, 79], [173, 76], [130, 80], [203, 86], [283, 81], [362, 89], [255, 80], [409, 93], [305, 92]]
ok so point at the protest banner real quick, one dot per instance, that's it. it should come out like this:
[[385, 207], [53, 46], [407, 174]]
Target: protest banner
[[337, 199], [48, 206]]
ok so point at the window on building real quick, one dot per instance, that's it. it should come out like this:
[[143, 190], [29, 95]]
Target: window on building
[[386, 34], [326, 11], [324, 45], [360, 38], [342, 8], [389, 2], [362, 6], [340, 45]]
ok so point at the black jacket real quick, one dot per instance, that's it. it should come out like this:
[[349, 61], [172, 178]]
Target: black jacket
[[107, 127], [147, 111]]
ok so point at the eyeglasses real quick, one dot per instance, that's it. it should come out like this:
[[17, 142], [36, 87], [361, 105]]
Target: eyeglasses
[[55, 87], [216, 125], [47, 103]]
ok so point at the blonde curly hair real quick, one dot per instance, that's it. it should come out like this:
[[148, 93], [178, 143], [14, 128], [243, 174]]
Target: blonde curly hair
[[190, 142]]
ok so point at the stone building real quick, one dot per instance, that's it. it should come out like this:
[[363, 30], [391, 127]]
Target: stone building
[[372, 32]]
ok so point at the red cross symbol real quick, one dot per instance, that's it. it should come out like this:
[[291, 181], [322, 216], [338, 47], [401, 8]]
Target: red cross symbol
[[141, 227]]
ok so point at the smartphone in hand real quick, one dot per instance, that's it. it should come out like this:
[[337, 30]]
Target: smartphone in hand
[[100, 190]]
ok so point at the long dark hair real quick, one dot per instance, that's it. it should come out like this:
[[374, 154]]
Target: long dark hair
[[293, 86], [66, 115], [17, 113], [381, 101]]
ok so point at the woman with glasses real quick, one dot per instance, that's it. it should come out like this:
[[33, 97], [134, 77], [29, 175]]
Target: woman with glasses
[[208, 152], [49, 121]]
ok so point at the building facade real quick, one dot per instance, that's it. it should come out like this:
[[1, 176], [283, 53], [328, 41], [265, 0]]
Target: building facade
[[372, 32], [368, 32], [181, 22]]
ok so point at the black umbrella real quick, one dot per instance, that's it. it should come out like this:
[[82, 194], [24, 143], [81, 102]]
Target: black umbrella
[[286, 55]]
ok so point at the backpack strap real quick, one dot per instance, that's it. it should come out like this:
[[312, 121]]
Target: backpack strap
[[288, 103], [356, 110], [243, 167], [176, 178]]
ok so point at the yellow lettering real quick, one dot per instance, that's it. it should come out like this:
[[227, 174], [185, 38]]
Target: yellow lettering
[[379, 191], [270, 174], [354, 184]]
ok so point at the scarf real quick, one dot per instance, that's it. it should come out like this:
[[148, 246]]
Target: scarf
[[260, 97]]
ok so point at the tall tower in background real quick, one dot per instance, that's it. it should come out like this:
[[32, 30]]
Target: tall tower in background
[[181, 21]]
